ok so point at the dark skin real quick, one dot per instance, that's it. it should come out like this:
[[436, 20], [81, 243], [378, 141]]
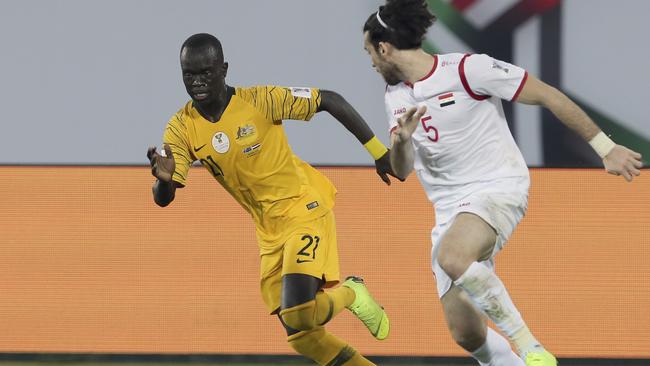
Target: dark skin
[[204, 74]]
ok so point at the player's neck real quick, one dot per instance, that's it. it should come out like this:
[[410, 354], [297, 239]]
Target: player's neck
[[213, 110], [415, 64]]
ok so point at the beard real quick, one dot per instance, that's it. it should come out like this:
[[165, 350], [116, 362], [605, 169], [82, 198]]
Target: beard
[[391, 74]]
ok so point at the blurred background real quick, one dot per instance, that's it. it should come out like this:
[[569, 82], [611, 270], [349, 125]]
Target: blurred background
[[92, 272], [94, 82]]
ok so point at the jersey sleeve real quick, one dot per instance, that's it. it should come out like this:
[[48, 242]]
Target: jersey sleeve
[[176, 137], [484, 76], [396, 106], [279, 103]]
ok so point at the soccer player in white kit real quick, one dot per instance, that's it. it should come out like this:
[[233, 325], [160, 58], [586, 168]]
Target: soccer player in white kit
[[447, 123]]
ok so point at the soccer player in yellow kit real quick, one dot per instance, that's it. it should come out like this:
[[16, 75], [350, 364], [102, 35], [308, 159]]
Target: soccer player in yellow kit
[[237, 134]]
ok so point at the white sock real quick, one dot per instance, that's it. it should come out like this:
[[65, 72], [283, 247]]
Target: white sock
[[496, 352], [490, 295]]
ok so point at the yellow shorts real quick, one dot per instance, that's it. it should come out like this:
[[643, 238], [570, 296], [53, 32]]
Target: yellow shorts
[[307, 248]]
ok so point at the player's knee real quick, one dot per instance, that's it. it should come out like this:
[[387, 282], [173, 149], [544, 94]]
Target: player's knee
[[452, 263], [300, 317], [467, 339]]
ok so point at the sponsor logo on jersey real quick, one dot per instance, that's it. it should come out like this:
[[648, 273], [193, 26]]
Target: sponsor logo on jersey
[[196, 149], [312, 205], [496, 65], [301, 92], [399, 111], [221, 142], [446, 99], [448, 63]]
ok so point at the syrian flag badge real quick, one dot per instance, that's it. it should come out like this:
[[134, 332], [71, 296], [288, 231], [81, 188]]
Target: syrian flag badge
[[446, 99]]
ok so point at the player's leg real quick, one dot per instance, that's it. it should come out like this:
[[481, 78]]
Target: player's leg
[[467, 326], [305, 305], [310, 261], [312, 249], [325, 305], [468, 241], [303, 318], [314, 343]]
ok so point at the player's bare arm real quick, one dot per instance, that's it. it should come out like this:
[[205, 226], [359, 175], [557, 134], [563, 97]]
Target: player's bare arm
[[162, 167], [617, 159], [340, 109], [402, 154]]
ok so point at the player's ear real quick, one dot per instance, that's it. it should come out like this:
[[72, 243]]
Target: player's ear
[[224, 69], [383, 48]]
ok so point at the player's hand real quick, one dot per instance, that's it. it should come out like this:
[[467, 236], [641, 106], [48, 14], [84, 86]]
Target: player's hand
[[623, 161], [384, 169], [408, 123], [162, 167]]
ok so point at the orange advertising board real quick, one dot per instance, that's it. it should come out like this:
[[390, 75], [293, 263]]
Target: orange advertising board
[[88, 263]]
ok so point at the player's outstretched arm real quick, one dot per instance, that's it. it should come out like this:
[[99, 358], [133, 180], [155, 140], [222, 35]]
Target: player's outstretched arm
[[617, 159], [402, 154], [340, 109], [162, 167]]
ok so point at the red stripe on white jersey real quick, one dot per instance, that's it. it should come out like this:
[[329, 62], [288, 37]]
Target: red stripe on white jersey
[[463, 80], [521, 87]]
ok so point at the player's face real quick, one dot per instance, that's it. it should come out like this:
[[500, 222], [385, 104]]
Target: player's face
[[204, 74], [389, 71]]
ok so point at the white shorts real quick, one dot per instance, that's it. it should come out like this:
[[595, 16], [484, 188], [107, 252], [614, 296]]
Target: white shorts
[[502, 204]]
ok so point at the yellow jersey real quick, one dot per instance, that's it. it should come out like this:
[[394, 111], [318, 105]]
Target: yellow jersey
[[247, 152]]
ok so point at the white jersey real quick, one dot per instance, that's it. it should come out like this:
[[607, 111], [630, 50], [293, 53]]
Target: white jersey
[[463, 138]]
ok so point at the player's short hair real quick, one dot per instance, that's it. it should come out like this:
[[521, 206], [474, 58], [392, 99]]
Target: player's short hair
[[203, 41], [402, 23]]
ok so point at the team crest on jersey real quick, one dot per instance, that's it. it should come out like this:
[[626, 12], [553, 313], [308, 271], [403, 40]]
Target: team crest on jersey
[[221, 142], [246, 134], [446, 99]]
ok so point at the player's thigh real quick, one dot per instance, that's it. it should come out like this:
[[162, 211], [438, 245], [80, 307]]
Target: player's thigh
[[468, 239], [467, 325], [306, 248], [299, 288], [311, 249]]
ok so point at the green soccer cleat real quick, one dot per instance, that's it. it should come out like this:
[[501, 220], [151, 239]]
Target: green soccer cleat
[[367, 309], [544, 358]]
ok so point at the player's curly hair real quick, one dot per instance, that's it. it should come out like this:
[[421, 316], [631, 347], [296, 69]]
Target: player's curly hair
[[405, 24]]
